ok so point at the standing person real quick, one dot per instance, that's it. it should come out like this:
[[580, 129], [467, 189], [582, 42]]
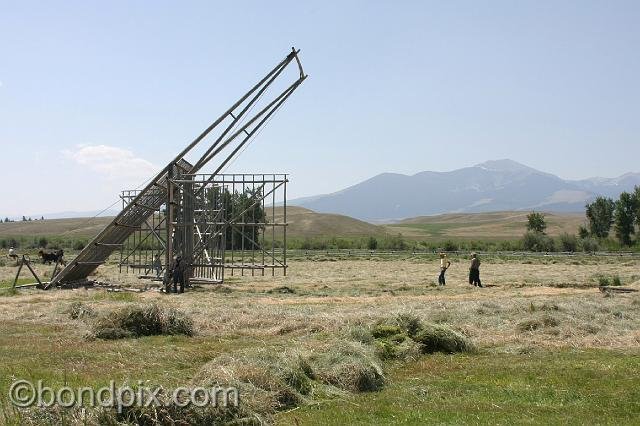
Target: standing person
[[444, 265], [157, 265], [177, 272], [474, 271]]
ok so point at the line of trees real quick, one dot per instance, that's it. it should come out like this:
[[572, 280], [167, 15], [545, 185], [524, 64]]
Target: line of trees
[[24, 219], [623, 215], [243, 207]]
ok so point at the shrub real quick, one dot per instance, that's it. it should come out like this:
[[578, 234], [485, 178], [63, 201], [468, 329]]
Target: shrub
[[568, 242], [395, 242], [589, 245], [79, 244], [536, 241], [450, 246], [436, 338], [583, 232], [137, 321], [604, 281]]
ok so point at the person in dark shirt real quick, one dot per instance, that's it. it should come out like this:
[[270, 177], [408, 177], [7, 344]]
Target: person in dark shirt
[[474, 271], [444, 265], [178, 269], [157, 265]]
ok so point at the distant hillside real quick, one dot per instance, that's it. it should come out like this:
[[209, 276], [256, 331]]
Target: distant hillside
[[502, 185], [307, 223], [71, 227], [302, 223], [494, 225]]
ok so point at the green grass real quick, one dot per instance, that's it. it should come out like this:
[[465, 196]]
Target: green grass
[[433, 229], [167, 360], [559, 387], [9, 283]]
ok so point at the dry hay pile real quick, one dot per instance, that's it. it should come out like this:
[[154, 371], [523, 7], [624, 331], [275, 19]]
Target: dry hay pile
[[142, 320]]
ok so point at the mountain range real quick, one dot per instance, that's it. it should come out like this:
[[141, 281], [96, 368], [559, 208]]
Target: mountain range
[[496, 185]]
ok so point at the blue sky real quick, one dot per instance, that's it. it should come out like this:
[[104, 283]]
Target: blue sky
[[95, 96]]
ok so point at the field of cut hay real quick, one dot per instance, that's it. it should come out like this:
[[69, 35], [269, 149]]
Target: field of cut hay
[[345, 341]]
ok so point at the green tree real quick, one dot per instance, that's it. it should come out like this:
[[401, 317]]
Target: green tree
[[600, 215], [636, 199], [624, 218], [372, 244], [244, 214], [536, 222], [583, 232]]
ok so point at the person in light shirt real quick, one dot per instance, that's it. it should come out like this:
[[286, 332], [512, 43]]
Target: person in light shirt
[[444, 265], [12, 254]]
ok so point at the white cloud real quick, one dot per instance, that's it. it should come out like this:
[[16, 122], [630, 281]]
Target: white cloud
[[112, 162]]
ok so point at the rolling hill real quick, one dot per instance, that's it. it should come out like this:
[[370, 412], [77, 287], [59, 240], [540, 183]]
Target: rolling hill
[[493, 225], [302, 223], [70, 227], [305, 223]]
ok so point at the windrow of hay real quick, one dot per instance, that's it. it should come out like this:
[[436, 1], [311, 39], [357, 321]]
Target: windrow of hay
[[269, 380], [437, 338], [142, 320], [533, 324], [167, 413], [350, 366], [79, 310], [266, 381], [402, 335]]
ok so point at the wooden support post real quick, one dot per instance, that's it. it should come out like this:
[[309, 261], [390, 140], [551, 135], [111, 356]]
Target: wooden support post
[[170, 218], [187, 217], [25, 261], [18, 273]]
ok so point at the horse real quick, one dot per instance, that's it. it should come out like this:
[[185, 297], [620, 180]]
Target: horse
[[48, 257]]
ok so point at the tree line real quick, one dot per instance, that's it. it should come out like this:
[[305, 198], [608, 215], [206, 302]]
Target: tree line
[[605, 216], [623, 215], [24, 219]]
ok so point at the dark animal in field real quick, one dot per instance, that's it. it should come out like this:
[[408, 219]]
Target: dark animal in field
[[48, 257]]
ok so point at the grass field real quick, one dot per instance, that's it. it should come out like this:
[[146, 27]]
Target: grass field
[[549, 347], [495, 225]]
